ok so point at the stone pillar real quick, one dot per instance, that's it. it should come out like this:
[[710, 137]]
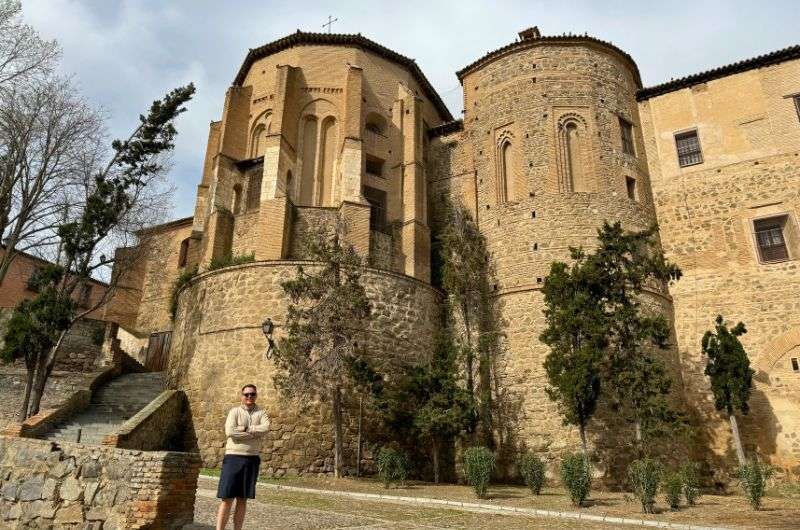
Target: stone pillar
[[415, 233], [352, 159], [275, 210]]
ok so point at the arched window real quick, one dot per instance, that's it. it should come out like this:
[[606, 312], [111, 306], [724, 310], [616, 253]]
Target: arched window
[[505, 168], [572, 155], [237, 199], [183, 256], [309, 150], [327, 142], [258, 138]]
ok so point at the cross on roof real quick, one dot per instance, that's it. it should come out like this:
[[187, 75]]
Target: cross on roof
[[330, 23]]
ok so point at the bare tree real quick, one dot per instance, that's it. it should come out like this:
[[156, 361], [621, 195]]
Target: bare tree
[[113, 197], [48, 135], [23, 54]]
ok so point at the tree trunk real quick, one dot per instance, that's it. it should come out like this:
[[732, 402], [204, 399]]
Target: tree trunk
[[358, 442], [468, 336], [582, 429], [337, 432], [737, 440], [23, 411], [43, 372], [435, 450]]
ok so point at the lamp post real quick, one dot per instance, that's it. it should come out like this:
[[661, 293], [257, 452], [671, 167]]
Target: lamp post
[[267, 328]]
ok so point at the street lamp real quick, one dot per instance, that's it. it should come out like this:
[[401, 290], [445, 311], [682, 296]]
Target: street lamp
[[267, 327]]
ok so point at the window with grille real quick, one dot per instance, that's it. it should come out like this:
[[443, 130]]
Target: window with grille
[[770, 239], [626, 129], [795, 365], [377, 202], [688, 145]]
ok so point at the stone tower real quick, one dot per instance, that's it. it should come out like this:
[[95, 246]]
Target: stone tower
[[550, 147]]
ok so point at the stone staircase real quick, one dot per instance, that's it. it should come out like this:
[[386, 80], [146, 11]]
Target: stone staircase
[[111, 406]]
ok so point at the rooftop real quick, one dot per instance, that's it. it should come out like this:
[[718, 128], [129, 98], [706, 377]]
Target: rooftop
[[779, 56], [301, 38]]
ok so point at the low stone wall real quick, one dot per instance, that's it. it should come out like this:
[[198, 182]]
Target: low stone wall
[[68, 485], [72, 404], [218, 346], [60, 386], [158, 426]]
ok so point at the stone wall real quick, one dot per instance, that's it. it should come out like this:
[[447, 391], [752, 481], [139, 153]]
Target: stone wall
[[158, 426], [749, 136], [218, 347], [60, 386], [67, 485], [525, 95]]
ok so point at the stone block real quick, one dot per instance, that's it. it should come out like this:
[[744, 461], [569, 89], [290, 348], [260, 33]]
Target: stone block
[[69, 514], [71, 490], [31, 489]]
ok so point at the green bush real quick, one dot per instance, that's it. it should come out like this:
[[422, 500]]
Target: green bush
[[644, 476], [753, 477], [576, 478], [673, 489], [478, 467], [531, 467], [230, 260], [392, 466], [690, 475], [185, 277]]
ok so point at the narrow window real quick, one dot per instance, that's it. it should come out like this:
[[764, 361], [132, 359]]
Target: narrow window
[[377, 202], [327, 154], [630, 184], [795, 365], [374, 166], [626, 129], [254, 189], [184, 253], [574, 149], [506, 172], [237, 199], [309, 151], [688, 146], [771, 240]]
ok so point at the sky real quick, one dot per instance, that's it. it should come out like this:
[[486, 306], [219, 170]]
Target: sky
[[123, 54]]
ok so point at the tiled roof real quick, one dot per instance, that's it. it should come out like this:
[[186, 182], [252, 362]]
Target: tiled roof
[[446, 128], [166, 226], [301, 38], [786, 54], [555, 39]]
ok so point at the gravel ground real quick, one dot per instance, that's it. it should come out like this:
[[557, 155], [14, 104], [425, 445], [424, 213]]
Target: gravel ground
[[289, 510]]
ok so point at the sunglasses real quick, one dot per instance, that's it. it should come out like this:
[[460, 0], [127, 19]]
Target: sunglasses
[[249, 394]]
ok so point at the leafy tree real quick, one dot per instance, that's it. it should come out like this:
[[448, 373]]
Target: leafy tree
[[112, 197], [728, 368], [576, 335], [466, 276], [635, 379], [428, 401], [320, 356]]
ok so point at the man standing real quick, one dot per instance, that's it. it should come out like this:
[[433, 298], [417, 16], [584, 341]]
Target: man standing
[[244, 428]]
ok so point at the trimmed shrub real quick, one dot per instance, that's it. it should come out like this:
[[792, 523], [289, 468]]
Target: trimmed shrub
[[575, 477], [753, 477], [690, 475], [478, 467], [644, 475], [673, 489], [392, 466], [184, 278], [531, 467]]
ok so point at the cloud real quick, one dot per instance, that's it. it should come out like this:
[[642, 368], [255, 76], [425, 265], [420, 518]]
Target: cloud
[[126, 53]]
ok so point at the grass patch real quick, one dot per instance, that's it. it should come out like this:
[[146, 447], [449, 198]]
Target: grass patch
[[229, 261], [209, 471]]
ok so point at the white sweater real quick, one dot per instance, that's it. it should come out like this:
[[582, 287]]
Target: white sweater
[[244, 429]]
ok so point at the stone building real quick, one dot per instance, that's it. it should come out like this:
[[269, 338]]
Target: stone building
[[557, 136]]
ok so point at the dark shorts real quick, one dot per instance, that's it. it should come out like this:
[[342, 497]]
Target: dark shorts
[[238, 477]]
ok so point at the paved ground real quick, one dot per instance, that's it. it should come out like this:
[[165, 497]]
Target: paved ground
[[289, 510]]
